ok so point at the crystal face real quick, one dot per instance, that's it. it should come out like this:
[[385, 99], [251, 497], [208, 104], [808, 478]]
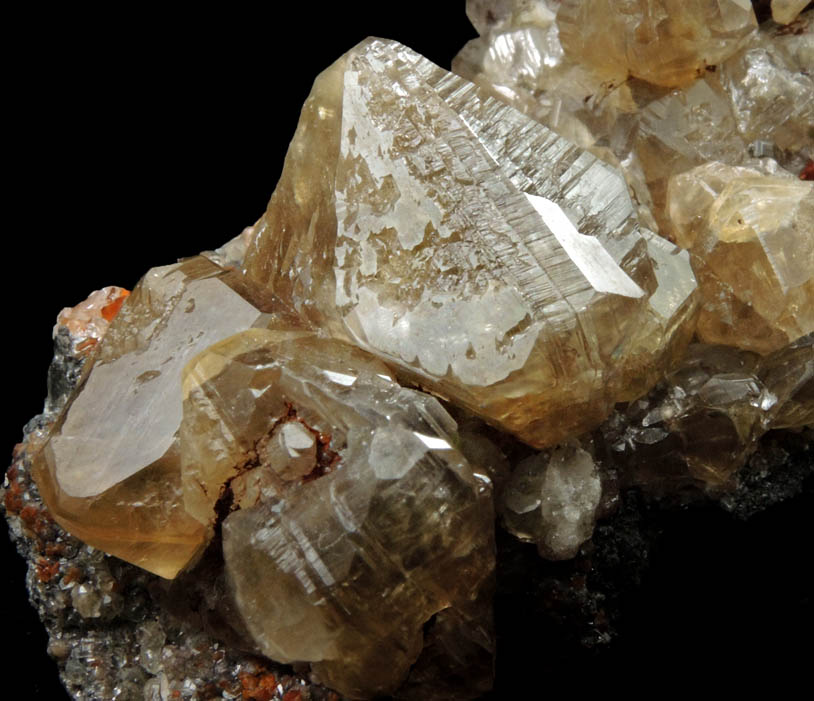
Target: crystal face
[[665, 42], [704, 420], [521, 291], [752, 238], [552, 499], [113, 452], [581, 269], [395, 509]]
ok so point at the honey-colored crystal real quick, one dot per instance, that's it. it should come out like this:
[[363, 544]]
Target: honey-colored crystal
[[751, 237], [786, 11], [665, 42], [410, 220], [345, 565], [110, 471]]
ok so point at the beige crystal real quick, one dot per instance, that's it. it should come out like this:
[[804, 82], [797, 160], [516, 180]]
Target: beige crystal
[[110, 470], [771, 89], [665, 42], [751, 238], [352, 559], [410, 221], [786, 11]]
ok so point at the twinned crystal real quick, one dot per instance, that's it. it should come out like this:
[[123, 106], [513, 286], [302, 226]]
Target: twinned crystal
[[527, 293], [594, 248]]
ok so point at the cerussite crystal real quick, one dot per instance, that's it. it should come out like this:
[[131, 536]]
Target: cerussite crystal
[[410, 220], [110, 471], [363, 534]]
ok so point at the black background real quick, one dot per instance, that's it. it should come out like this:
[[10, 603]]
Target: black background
[[140, 135]]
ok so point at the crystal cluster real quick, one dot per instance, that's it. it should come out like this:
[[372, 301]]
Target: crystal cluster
[[594, 248], [528, 294], [347, 484]]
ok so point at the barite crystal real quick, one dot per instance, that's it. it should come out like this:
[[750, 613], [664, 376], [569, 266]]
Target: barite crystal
[[771, 89], [521, 60], [351, 552], [758, 101], [410, 221], [110, 470], [751, 237], [665, 42]]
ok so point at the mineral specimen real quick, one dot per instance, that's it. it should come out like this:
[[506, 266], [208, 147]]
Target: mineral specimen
[[251, 423], [520, 289]]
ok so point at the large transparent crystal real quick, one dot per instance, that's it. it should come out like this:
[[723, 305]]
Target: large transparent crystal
[[110, 471], [342, 558], [411, 220]]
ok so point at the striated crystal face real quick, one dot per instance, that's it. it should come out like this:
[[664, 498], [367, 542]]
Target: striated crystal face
[[520, 288], [751, 236], [756, 102], [356, 511], [665, 42], [521, 60], [110, 471]]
